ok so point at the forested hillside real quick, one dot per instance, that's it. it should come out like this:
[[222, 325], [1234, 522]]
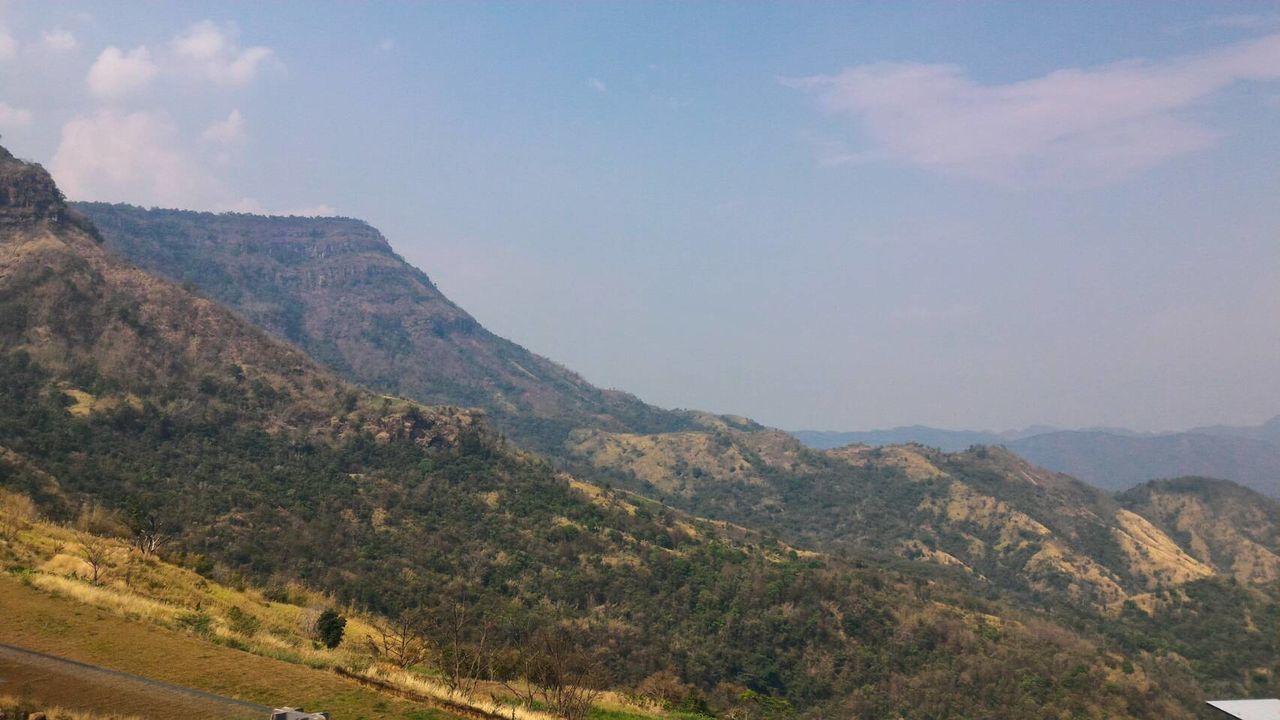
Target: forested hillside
[[984, 511], [988, 522], [1172, 566], [175, 416]]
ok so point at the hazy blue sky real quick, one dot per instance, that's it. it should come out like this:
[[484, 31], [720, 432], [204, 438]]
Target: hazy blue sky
[[819, 215]]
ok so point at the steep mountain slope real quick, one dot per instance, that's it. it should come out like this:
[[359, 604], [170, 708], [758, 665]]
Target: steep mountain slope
[[125, 391], [334, 287], [1219, 522], [72, 310]]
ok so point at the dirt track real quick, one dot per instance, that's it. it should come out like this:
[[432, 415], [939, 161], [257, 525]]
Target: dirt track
[[78, 686]]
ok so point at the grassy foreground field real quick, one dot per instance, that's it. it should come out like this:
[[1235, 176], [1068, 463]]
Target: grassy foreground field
[[161, 621], [62, 627]]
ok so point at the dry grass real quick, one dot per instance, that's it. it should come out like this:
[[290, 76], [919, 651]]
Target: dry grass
[[164, 595], [85, 404], [489, 698], [62, 627], [19, 708], [107, 598]]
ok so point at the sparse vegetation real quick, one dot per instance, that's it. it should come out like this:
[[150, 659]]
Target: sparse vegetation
[[12, 708]]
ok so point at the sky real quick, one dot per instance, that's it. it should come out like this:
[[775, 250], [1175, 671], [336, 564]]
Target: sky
[[819, 215]]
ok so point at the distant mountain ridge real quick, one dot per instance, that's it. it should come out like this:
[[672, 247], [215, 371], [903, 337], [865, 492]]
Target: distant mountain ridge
[[1116, 462], [947, 440], [1110, 458]]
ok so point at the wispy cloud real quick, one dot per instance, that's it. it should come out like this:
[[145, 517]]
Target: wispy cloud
[[206, 52], [1102, 122], [249, 205], [8, 46], [597, 85], [230, 131], [209, 51], [142, 157], [59, 39], [14, 118], [139, 157]]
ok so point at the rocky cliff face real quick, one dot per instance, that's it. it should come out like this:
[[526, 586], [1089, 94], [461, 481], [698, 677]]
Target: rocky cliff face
[[336, 288], [27, 193], [110, 335]]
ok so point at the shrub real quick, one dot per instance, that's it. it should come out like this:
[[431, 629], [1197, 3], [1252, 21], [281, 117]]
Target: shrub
[[329, 628], [197, 622], [242, 622]]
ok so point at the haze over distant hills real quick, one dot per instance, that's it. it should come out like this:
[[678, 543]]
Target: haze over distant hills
[[948, 440], [1110, 458]]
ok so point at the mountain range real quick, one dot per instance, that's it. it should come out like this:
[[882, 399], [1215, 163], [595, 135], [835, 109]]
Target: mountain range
[[335, 288], [294, 403], [1110, 458]]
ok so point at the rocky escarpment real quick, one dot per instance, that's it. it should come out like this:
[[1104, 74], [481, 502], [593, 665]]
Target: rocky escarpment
[[107, 336], [28, 196], [334, 287], [27, 193]]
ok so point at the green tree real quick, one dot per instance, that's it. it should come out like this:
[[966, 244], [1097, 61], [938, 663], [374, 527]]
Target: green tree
[[330, 627]]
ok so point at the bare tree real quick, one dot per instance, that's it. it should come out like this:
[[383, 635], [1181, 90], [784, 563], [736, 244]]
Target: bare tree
[[17, 512], [556, 667], [662, 689], [462, 638], [401, 642], [149, 532], [97, 552]]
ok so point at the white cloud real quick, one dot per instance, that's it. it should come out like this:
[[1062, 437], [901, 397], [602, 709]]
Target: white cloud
[[209, 51], [140, 157], [249, 205], [8, 46], [117, 74], [59, 39], [1102, 122], [597, 85], [320, 210], [386, 45], [136, 157], [204, 53], [226, 132], [13, 118]]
